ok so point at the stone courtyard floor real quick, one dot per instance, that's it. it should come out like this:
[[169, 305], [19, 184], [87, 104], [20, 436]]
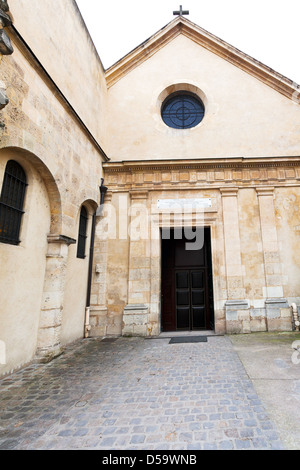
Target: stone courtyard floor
[[147, 394]]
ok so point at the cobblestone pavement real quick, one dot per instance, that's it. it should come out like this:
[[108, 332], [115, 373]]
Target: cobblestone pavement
[[134, 394]]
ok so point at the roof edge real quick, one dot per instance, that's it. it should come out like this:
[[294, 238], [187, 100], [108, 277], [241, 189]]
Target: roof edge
[[182, 25]]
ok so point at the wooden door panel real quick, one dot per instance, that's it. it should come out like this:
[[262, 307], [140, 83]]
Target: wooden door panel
[[186, 292], [183, 318], [198, 317]]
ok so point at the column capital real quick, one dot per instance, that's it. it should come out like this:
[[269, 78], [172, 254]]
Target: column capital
[[265, 191], [229, 192], [140, 194]]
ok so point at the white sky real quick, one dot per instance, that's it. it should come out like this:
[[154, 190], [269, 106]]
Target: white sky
[[268, 30]]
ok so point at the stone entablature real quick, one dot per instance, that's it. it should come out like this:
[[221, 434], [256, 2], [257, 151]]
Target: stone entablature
[[209, 173]]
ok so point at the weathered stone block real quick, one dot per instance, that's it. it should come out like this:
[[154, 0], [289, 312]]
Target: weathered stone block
[[274, 306], [98, 331], [286, 313], [234, 309], [135, 319], [257, 312], [114, 329], [234, 327], [93, 321], [220, 327], [258, 324], [140, 330], [127, 330], [243, 315], [94, 299], [48, 339], [246, 326], [279, 324], [50, 318]]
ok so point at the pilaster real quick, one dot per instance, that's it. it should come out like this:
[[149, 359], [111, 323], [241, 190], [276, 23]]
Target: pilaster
[[236, 307], [52, 304], [98, 308], [273, 291], [135, 315]]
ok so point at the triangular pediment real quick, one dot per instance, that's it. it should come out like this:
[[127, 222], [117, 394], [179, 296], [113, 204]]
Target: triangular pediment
[[195, 33]]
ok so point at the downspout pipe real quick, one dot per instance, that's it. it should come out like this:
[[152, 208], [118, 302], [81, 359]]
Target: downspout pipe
[[295, 316], [87, 326]]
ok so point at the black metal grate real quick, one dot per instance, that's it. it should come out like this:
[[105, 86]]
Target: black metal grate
[[82, 233], [182, 111], [12, 202]]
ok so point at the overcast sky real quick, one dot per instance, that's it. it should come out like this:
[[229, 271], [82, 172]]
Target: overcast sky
[[267, 30]]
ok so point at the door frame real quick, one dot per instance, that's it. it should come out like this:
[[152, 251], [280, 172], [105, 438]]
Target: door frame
[[209, 278]]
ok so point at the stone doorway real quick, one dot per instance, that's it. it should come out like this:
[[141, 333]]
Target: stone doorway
[[187, 285]]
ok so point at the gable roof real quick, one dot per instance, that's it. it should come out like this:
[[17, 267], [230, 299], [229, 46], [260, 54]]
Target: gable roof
[[182, 25]]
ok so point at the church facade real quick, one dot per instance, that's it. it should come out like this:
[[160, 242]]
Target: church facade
[[161, 194]]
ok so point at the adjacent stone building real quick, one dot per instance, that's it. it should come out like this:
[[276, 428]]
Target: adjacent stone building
[[161, 194]]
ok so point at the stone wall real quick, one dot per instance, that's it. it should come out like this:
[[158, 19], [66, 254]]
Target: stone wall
[[63, 162], [5, 47], [255, 275], [60, 40]]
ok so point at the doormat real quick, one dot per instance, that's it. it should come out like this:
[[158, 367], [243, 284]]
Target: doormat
[[188, 339]]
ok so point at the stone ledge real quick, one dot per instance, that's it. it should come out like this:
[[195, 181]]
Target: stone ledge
[[135, 309]]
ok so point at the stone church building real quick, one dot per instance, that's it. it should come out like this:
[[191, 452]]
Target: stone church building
[[161, 194]]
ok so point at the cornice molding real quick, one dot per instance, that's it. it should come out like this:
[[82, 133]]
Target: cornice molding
[[139, 55], [208, 164]]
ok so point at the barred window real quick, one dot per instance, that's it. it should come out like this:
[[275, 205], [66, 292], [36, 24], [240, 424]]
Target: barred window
[[182, 110], [82, 233], [12, 202]]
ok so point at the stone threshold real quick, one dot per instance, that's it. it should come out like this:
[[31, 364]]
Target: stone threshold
[[174, 334]]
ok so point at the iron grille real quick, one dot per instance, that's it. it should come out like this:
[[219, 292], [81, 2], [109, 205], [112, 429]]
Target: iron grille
[[82, 233], [182, 111], [12, 202]]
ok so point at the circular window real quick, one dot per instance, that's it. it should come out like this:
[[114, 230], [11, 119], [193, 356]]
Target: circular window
[[182, 110]]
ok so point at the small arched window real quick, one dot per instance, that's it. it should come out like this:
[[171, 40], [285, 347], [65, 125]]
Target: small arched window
[[82, 234], [12, 202]]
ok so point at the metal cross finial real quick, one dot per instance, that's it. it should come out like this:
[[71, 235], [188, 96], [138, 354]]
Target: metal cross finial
[[181, 12]]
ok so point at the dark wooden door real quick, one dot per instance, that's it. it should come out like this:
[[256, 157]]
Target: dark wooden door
[[186, 293]]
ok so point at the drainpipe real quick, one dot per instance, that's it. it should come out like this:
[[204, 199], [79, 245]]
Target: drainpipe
[[87, 326], [295, 316]]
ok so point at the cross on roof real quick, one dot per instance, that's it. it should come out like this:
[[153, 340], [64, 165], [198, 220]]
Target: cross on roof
[[181, 12]]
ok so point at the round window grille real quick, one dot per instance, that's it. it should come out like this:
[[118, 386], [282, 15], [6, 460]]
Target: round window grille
[[182, 111]]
